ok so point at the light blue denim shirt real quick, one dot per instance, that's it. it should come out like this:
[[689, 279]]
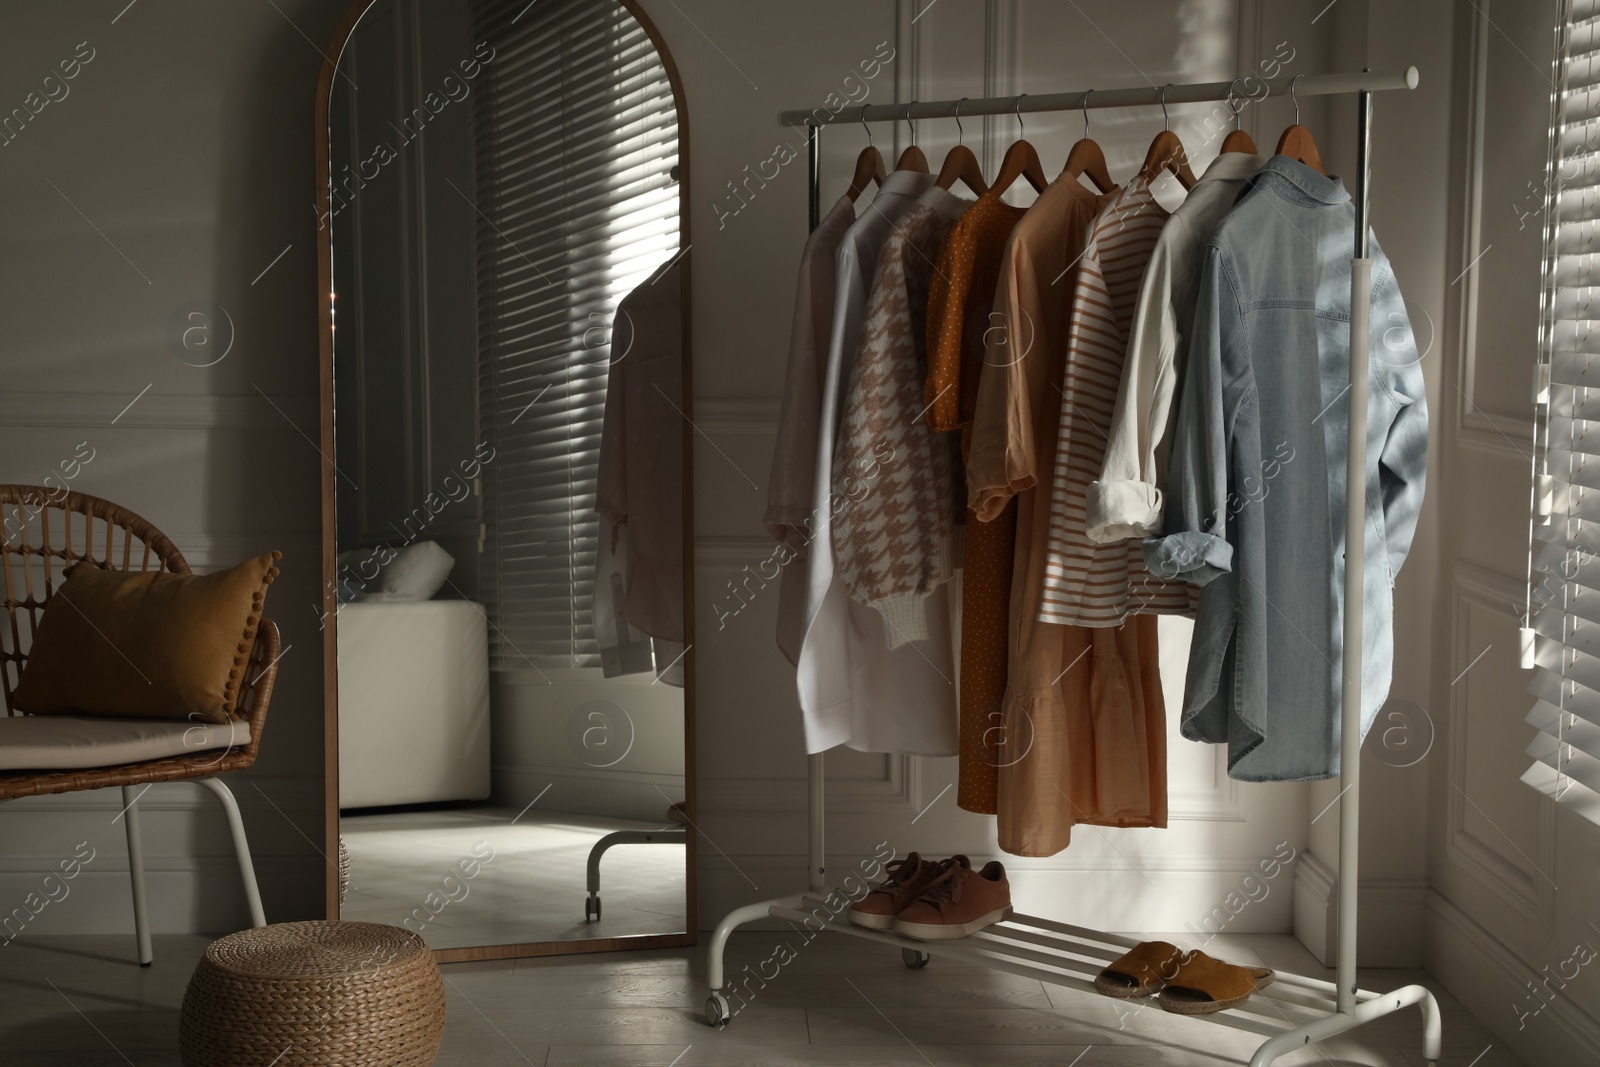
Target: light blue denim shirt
[[1256, 485]]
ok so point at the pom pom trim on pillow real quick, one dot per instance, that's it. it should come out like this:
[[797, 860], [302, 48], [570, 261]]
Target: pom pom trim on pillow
[[146, 644]]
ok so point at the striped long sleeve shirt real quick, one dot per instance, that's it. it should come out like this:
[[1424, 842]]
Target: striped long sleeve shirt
[[1089, 584]]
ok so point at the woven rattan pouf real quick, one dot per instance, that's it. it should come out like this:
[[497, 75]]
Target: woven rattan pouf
[[335, 993]]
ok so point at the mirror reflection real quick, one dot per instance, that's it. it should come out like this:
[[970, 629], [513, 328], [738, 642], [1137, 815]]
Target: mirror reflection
[[508, 370]]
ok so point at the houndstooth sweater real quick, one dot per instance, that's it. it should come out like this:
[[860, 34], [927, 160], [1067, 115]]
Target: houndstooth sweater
[[893, 475]]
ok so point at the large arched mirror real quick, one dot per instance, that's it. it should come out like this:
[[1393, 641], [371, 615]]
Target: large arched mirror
[[502, 206]]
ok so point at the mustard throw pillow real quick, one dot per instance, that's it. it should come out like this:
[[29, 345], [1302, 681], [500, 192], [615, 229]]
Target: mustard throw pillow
[[150, 645]]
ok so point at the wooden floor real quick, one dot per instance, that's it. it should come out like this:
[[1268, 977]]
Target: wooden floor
[[82, 1002], [534, 887]]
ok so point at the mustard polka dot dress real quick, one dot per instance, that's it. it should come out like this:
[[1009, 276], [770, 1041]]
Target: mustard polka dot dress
[[959, 307]]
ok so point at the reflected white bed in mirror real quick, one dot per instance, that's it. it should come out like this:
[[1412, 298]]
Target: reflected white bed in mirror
[[505, 427]]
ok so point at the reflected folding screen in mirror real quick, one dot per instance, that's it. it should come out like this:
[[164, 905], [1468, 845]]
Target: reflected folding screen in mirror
[[506, 426]]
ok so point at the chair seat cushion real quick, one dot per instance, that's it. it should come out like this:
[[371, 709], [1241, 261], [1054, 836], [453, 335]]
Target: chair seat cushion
[[73, 742]]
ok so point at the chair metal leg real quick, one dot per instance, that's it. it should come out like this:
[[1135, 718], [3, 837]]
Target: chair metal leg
[[141, 914], [241, 846]]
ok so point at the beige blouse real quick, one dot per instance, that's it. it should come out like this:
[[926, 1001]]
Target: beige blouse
[[793, 480], [1082, 736]]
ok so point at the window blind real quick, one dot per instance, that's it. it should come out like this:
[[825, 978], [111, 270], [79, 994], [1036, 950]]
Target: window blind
[[1563, 619], [577, 141]]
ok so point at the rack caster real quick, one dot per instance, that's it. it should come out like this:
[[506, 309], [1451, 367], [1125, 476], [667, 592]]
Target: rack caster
[[591, 908], [915, 959], [717, 1014]]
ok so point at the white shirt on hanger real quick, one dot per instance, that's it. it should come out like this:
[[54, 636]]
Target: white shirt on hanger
[[854, 690], [1126, 499], [794, 457]]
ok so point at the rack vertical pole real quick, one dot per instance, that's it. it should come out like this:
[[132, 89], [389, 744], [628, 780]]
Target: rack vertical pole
[[1354, 569], [813, 174], [816, 873], [816, 870]]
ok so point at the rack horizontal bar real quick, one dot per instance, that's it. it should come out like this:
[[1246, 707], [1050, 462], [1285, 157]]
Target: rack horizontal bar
[[1247, 88]]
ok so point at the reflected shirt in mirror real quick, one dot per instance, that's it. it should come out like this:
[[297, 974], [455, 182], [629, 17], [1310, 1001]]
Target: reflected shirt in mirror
[[640, 481]]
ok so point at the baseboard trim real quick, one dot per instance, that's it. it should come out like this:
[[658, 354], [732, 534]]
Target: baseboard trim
[[1315, 913], [590, 791], [1391, 916], [1486, 976], [1095, 893], [893, 794], [186, 895]]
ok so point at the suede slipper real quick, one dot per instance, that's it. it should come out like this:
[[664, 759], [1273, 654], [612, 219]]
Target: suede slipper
[[1203, 985], [1144, 970]]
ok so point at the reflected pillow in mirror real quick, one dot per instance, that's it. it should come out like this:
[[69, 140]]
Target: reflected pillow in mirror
[[416, 573], [358, 571], [146, 644]]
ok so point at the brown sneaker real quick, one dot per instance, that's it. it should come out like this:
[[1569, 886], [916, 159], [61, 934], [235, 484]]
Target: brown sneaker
[[907, 879], [960, 902]]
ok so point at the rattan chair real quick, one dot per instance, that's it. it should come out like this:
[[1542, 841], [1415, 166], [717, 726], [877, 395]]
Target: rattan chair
[[43, 532]]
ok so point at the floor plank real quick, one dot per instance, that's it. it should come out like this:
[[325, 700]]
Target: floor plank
[[839, 1002]]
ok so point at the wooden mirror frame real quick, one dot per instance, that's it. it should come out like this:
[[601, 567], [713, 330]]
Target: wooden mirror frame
[[330, 651]]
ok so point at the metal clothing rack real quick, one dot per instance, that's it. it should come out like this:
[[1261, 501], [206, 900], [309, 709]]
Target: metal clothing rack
[[1295, 1010]]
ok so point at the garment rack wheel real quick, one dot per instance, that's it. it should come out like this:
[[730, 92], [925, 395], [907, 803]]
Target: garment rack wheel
[[915, 958], [717, 1014]]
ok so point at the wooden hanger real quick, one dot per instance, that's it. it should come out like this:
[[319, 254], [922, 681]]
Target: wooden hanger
[[869, 167], [960, 164], [1086, 159], [1238, 140], [1297, 142], [1021, 160], [912, 158], [1167, 153]]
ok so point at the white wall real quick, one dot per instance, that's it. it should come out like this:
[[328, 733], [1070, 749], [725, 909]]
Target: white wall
[[177, 169], [1512, 879], [601, 746]]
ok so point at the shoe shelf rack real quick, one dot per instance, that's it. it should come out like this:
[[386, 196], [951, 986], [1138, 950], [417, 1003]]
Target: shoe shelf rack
[[1294, 1011]]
